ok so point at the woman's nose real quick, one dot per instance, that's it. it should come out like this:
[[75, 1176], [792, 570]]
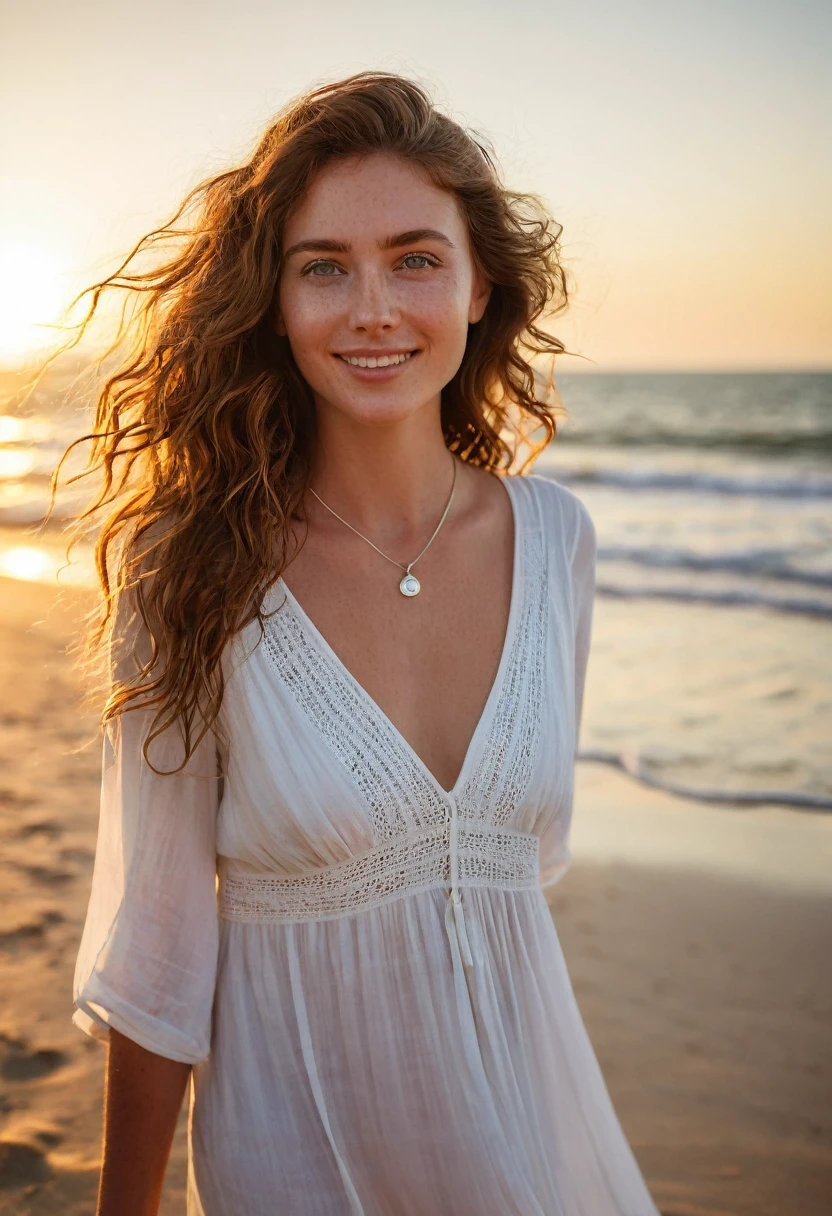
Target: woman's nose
[[373, 305]]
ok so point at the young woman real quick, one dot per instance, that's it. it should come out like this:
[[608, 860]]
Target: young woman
[[348, 658]]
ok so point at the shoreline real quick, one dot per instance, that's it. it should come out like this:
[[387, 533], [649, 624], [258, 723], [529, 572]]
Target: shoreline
[[776, 847]]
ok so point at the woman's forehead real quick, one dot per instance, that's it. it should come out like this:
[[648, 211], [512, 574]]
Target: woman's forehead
[[377, 196]]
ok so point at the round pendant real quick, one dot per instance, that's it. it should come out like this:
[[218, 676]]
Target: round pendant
[[410, 585]]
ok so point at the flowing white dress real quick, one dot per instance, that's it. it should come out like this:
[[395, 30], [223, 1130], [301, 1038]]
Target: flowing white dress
[[360, 964]]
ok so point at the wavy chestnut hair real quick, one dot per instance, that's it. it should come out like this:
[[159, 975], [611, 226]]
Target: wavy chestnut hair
[[204, 435]]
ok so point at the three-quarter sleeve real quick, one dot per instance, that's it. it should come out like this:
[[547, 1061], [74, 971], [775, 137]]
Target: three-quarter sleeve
[[148, 955], [555, 853]]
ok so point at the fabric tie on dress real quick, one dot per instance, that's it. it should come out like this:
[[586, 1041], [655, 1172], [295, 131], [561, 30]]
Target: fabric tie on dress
[[455, 899]]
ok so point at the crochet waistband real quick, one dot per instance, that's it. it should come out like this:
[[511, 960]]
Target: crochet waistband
[[487, 857]]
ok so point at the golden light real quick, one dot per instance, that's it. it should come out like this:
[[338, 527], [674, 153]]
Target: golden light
[[26, 562], [12, 430], [31, 297], [15, 464], [48, 564]]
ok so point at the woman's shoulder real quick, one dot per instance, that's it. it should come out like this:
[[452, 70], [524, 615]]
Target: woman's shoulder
[[564, 517]]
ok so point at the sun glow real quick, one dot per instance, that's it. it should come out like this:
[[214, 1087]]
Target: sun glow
[[47, 564], [25, 562], [31, 298]]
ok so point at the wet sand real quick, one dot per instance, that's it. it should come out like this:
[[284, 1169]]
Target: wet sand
[[698, 945]]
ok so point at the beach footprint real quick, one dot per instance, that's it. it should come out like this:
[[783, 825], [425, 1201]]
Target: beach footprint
[[18, 1063], [41, 827], [22, 1164], [44, 875], [24, 1160], [23, 936]]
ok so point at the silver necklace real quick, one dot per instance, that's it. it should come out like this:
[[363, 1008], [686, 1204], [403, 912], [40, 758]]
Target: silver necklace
[[410, 584]]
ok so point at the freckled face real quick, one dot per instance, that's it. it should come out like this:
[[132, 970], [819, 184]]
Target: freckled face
[[378, 287]]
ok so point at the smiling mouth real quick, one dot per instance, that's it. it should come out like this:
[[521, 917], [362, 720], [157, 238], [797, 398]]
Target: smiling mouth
[[378, 360]]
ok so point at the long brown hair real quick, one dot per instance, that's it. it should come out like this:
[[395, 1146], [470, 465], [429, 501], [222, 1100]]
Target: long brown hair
[[204, 434]]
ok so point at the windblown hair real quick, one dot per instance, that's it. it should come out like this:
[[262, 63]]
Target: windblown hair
[[204, 435]]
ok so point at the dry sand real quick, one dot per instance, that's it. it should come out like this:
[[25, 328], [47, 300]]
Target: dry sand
[[701, 965]]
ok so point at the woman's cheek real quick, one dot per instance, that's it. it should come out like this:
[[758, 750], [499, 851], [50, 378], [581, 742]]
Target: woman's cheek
[[440, 304]]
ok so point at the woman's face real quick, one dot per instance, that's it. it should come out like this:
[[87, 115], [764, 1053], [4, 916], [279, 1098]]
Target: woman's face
[[378, 288]]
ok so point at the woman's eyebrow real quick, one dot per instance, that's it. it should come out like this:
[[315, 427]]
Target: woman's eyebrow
[[414, 236], [321, 245]]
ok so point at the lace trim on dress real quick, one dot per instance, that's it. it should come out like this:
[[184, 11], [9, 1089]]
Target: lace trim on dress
[[399, 798], [505, 768], [487, 857]]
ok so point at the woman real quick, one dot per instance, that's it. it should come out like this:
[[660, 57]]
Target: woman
[[348, 658]]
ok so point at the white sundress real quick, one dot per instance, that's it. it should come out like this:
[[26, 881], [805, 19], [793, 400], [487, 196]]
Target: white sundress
[[361, 965]]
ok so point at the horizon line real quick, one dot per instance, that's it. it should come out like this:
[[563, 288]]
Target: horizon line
[[579, 367]]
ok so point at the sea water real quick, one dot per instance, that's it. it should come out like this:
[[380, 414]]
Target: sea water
[[711, 666]]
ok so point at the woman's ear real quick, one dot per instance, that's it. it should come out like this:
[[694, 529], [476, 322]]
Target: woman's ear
[[279, 327], [480, 295]]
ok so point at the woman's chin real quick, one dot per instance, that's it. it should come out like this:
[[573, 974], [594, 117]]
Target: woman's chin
[[381, 413], [380, 409]]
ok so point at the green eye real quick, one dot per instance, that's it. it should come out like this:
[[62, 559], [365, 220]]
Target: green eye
[[325, 270], [417, 257]]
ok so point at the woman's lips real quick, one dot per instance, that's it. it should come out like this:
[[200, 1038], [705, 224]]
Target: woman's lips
[[385, 372]]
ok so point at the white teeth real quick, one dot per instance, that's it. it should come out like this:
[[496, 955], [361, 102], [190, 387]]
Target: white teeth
[[381, 361]]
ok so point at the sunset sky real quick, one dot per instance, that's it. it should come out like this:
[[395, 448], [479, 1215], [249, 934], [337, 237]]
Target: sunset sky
[[684, 147]]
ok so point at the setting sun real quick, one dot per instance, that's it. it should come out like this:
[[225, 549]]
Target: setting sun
[[31, 298]]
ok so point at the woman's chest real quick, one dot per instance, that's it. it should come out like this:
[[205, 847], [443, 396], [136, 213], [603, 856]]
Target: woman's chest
[[318, 771], [427, 661]]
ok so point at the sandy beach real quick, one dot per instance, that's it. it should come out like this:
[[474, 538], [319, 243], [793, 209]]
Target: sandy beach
[[698, 941]]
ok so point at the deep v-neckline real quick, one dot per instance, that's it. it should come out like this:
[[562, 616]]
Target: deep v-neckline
[[373, 706]]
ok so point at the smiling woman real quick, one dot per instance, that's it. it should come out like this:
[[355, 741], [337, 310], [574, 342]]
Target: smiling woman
[[423, 280], [330, 797]]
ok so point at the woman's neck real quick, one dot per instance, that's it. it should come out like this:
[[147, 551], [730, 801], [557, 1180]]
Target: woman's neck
[[387, 480]]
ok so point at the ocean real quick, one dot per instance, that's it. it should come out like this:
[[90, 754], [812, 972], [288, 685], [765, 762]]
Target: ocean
[[711, 665], [709, 487]]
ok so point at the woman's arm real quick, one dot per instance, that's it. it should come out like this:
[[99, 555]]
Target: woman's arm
[[142, 1099], [146, 968]]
